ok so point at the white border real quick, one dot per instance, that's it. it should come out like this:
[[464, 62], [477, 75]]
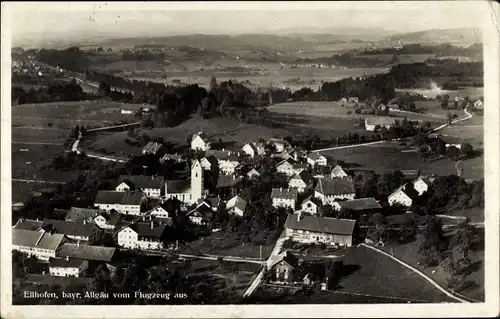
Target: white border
[[491, 32]]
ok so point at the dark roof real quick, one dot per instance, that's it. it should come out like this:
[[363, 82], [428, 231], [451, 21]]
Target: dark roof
[[277, 141], [222, 155], [28, 224], [201, 210], [238, 203], [335, 186], [287, 257], [299, 165], [68, 228], [112, 218], [284, 193], [65, 263], [141, 181], [337, 170], [152, 147], [382, 120], [314, 156], [213, 201], [360, 204], [177, 186], [315, 200], [87, 252], [77, 214], [321, 224], [144, 229], [203, 136], [39, 239], [228, 181], [305, 176], [114, 197]]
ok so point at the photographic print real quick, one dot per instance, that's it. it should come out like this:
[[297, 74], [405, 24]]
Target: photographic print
[[175, 154]]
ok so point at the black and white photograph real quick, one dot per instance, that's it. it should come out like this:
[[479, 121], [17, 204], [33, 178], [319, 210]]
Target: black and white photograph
[[250, 154]]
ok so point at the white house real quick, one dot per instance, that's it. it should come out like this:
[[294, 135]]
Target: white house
[[289, 152], [201, 214], [253, 173], [142, 235], [86, 232], [279, 144], [205, 164], [381, 121], [190, 191], [285, 167], [127, 203], [478, 104], [108, 220], [253, 149], [451, 141], [421, 185], [311, 205], [316, 159], [228, 167], [151, 186], [301, 181], [337, 171], [158, 212], [41, 244], [359, 205], [228, 161], [200, 142], [67, 267], [328, 190], [236, 206], [399, 197], [284, 197]]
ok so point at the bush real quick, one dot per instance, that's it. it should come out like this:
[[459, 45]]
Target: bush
[[357, 111]]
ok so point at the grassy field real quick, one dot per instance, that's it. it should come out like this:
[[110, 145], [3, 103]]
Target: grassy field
[[402, 58], [226, 244], [471, 92]]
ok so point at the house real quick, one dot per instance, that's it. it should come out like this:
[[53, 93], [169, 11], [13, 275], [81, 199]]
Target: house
[[253, 149], [236, 206], [289, 152], [87, 232], [328, 190], [253, 173], [172, 157], [67, 267], [283, 268], [380, 121], [87, 252], [312, 229], [187, 192], [126, 110], [228, 167], [228, 181], [28, 224], [410, 174], [399, 197], [228, 161], [311, 205], [153, 148], [205, 164], [421, 185], [297, 168], [108, 220], [213, 202], [41, 244], [479, 104], [301, 181], [200, 142], [151, 186], [354, 99], [279, 144], [78, 214], [201, 214], [451, 141], [284, 197], [127, 203], [343, 100], [337, 171], [142, 235], [285, 167], [158, 212], [316, 159], [359, 206]]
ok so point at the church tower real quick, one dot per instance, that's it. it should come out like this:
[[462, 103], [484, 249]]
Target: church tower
[[196, 181]]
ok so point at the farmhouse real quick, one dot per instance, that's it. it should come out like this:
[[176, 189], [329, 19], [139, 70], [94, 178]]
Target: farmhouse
[[228, 167], [77, 214], [201, 214], [399, 197], [393, 107], [142, 235], [421, 185], [337, 171], [279, 144], [200, 142], [205, 164], [28, 224], [289, 168], [253, 149], [301, 181], [153, 148], [108, 220], [284, 197], [359, 206], [67, 267], [158, 212], [479, 104], [87, 232], [188, 192], [253, 173], [289, 152], [451, 141], [283, 268], [172, 157], [311, 205], [236, 206], [149, 185], [228, 161], [379, 121], [87, 252], [316, 159], [328, 190], [312, 229], [127, 203], [41, 244]]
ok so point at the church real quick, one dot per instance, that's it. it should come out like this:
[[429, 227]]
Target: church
[[187, 191]]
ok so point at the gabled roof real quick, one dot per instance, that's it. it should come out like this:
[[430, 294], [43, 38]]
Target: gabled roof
[[69, 228], [321, 224], [313, 200], [237, 202], [143, 229], [399, 189], [287, 257], [284, 193], [202, 135], [274, 140], [228, 181], [175, 157], [65, 263], [202, 210], [36, 239], [87, 252], [112, 218], [382, 120], [223, 155], [114, 197], [28, 224], [297, 166], [213, 201], [360, 204], [314, 156], [337, 170], [78, 214], [252, 146], [286, 161], [177, 186], [335, 186], [152, 147], [304, 176], [141, 181]]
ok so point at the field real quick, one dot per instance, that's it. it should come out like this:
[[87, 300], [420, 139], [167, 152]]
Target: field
[[402, 58], [472, 92]]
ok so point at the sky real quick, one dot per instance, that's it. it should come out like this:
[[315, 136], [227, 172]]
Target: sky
[[73, 21]]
